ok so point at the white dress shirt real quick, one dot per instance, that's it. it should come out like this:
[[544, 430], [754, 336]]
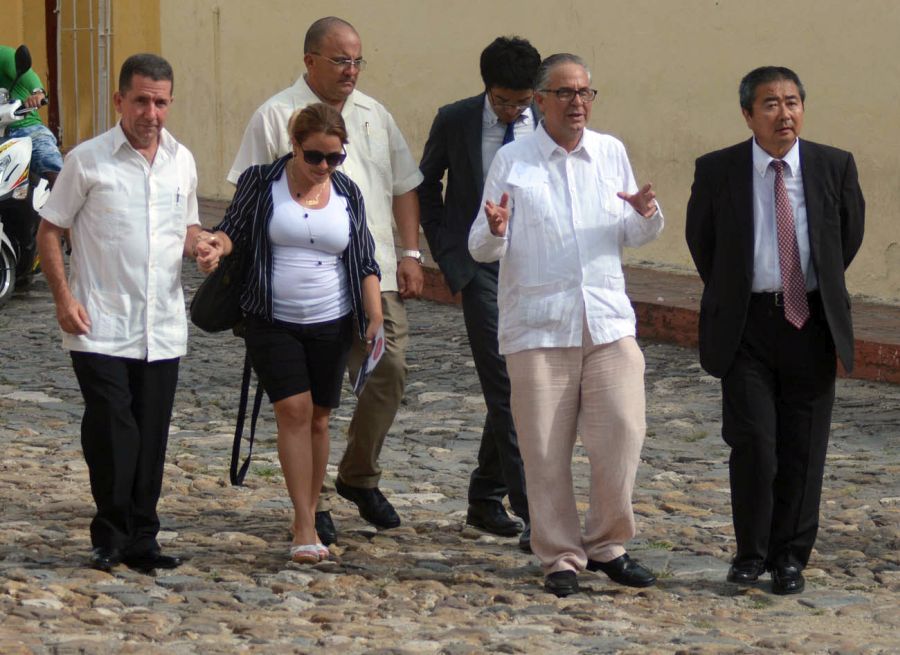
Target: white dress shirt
[[128, 220], [766, 264], [493, 130], [560, 261], [378, 158]]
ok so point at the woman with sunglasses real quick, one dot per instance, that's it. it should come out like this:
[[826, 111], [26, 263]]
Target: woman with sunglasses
[[313, 270]]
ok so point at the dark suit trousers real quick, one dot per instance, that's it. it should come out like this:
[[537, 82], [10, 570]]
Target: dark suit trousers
[[124, 431], [500, 470], [777, 401]]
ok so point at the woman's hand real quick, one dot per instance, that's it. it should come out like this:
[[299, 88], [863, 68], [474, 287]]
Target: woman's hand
[[209, 248], [375, 323], [371, 297]]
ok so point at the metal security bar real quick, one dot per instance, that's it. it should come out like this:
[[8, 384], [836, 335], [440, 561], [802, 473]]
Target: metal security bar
[[83, 61]]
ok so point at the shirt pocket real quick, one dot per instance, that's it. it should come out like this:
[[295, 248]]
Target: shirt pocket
[[609, 200], [533, 203], [110, 207], [533, 237], [109, 314], [378, 145]]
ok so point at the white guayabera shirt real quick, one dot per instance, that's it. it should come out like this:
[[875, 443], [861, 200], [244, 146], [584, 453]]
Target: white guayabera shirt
[[561, 258], [128, 220]]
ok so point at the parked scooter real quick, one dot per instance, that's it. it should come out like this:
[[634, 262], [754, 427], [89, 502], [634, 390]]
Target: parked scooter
[[21, 194]]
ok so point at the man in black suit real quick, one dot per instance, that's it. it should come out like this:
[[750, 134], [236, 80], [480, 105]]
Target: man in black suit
[[772, 224], [464, 138]]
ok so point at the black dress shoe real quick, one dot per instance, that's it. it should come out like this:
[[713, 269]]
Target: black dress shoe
[[104, 559], [325, 528], [561, 583], [745, 572], [371, 503], [151, 559], [787, 579], [525, 539], [490, 516], [624, 570]]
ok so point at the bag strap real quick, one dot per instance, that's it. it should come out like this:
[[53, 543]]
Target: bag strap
[[235, 475]]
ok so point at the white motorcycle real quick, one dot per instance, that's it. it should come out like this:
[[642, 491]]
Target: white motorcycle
[[21, 194]]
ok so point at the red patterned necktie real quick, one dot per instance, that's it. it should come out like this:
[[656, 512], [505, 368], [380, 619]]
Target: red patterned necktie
[[796, 307]]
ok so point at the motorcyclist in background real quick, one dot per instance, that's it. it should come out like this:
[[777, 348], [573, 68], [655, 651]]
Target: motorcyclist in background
[[46, 159]]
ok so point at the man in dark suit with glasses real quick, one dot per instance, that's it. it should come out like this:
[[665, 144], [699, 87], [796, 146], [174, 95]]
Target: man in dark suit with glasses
[[464, 138]]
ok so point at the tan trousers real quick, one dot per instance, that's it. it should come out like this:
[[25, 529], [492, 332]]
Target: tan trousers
[[380, 399], [552, 390]]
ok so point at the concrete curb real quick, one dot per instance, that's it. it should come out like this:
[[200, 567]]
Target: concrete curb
[[675, 320]]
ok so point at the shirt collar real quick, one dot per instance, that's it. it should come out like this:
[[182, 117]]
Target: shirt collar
[[489, 116], [167, 142], [762, 159], [303, 87], [547, 146]]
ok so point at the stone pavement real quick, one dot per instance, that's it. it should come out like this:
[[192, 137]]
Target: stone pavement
[[433, 585]]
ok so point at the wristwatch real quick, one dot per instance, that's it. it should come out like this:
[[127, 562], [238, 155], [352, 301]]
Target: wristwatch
[[415, 254]]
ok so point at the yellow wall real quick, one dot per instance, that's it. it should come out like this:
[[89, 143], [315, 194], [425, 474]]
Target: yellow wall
[[12, 27], [667, 72], [136, 28]]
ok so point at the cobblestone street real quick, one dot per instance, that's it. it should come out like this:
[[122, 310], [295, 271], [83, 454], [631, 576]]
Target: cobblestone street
[[432, 585]]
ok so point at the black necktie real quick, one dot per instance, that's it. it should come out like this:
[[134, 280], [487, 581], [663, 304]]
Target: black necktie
[[510, 133]]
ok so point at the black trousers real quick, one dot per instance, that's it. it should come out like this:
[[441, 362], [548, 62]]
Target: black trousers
[[777, 402], [500, 470], [124, 431]]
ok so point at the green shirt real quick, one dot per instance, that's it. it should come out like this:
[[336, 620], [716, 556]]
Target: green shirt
[[26, 84]]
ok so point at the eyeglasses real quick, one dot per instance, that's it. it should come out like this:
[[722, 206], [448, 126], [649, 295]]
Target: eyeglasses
[[525, 104], [344, 62], [567, 94], [316, 157]]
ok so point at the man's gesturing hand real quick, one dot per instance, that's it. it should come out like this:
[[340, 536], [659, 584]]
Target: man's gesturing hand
[[498, 215], [644, 201]]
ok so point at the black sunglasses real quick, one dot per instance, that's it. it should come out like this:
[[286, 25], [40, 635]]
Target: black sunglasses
[[315, 157]]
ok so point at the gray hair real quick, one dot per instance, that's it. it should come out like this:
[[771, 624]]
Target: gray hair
[[320, 29], [551, 62]]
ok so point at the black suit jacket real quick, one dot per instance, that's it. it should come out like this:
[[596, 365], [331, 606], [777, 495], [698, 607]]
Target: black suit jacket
[[719, 234], [454, 145]]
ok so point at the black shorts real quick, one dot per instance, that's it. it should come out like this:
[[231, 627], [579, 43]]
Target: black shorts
[[289, 358]]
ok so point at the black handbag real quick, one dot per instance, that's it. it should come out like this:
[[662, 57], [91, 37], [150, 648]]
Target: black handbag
[[216, 306]]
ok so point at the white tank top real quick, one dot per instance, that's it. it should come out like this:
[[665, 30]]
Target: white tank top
[[309, 281]]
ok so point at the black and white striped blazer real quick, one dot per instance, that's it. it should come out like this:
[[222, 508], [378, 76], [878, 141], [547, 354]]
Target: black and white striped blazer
[[247, 222]]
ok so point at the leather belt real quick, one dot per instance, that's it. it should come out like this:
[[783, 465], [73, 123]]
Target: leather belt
[[776, 298], [772, 298]]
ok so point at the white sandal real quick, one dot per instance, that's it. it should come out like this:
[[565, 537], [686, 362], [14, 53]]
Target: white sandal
[[306, 554]]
